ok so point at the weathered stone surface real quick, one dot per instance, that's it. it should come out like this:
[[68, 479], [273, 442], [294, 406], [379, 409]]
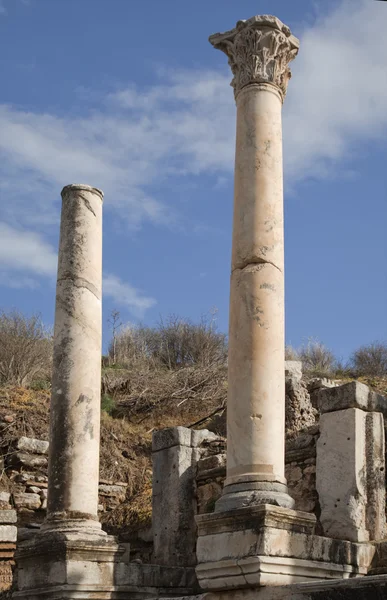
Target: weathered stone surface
[[351, 395], [174, 503], [229, 540], [26, 500], [201, 437], [8, 516], [350, 474], [293, 474], [171, 436], [299, 412], [115, 491], [28, 460], [217, 461], [25, 444], [76, 382], [8, 533], [207, 495], [293, 369], [33, 489], [259, 51], [4, 498]]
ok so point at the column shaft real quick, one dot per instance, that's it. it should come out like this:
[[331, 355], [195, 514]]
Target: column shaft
[[75, 399], [256, 404]]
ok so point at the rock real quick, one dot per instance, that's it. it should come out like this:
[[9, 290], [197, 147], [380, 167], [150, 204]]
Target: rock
[[218, 423], [8, 516], [293, 369], [293, 474], [351, 395], [38, 484], [207, 495], [26, 500], [216, 461], [44, 504], [31, 445], [29, 460], [33, 489], [8, 418], [43, 493], [8, 533], [114, 491], [299, 412], [4, 498]]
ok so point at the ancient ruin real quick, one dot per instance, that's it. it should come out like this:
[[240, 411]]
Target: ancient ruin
[[292, 504]]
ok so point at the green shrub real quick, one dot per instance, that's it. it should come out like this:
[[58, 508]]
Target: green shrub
[[107, 404]]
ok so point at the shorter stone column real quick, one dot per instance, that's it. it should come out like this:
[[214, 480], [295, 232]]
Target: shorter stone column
[[175, 453], [76, 383], [350, 468], [71, 557]]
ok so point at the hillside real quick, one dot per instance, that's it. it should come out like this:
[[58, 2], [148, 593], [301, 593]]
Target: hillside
[[139, 404]]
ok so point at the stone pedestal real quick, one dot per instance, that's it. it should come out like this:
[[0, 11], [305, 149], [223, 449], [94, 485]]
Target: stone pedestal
[[259, 51], [271, 546], [350, 469], [175, 453]]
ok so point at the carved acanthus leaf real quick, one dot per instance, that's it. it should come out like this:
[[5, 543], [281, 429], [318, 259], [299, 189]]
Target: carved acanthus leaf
[[259, 51]]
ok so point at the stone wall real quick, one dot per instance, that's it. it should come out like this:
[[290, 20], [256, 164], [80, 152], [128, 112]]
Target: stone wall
[[24, 485], [300, 470]]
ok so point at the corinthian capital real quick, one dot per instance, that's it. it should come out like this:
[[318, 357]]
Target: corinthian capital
[[259, 50]]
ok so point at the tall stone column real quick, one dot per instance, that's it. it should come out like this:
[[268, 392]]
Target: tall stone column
[[76, 384], [259, 52]]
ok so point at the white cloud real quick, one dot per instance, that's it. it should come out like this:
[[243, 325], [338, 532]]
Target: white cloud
[[25, 252], [126, 295], [184, 125], [26, 259], [338, 94]]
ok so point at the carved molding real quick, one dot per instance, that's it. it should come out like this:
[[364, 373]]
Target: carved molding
[[259, 50]]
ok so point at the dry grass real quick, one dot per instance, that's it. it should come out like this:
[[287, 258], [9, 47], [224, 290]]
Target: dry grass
[[164, 398]]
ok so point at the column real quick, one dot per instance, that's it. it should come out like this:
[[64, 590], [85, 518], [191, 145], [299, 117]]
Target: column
[[259, 51], [75, 400]]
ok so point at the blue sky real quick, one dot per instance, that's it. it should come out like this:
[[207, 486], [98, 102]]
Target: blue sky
[[130, 97]]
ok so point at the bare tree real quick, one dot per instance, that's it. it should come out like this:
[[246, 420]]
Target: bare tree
[[115, 324], [25, 348]]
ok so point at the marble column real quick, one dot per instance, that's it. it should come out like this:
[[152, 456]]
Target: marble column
[[76, 383], [259, 51]]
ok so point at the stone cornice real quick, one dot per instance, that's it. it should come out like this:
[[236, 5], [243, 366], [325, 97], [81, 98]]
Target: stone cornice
[[259, 50]]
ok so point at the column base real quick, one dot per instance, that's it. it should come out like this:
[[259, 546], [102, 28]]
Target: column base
[[58, 565], [253, 493], [66, 560], [270, 546]]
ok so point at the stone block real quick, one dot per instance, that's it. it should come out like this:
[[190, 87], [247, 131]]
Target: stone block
[[351, 395], [271, 548], [350, 474], [293, 368], [114, 491], [169, 437], [8, 516], [31, 445], [174, 503], [31, 461], [216, 461], [4, 498], [33, 489], [202, 436], [207, 495], [26, 500], [8, 533]]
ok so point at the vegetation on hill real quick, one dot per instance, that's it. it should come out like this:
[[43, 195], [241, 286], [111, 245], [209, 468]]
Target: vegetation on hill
[[172, 374]]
